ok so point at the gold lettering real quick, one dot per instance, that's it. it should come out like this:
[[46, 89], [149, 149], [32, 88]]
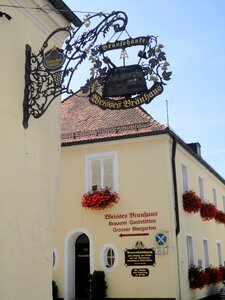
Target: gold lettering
[[54, 62], [159, 88], [104, 47]]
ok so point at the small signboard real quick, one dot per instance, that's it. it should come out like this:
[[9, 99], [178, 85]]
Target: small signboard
[[161, 250], [140, 272], [139, 257], [54, 59]]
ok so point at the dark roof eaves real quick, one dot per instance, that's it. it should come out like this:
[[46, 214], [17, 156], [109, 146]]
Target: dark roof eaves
[[113, 138], [167, 130], [196, 156], [64, 10]]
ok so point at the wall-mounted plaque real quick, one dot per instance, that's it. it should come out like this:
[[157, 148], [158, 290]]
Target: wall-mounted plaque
[[140, 272], [139, 257]]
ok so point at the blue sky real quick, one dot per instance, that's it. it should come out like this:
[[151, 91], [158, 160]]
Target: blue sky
[[193, 35]]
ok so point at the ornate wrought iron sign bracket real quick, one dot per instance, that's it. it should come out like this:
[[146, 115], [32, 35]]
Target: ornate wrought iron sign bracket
[[48, 74]]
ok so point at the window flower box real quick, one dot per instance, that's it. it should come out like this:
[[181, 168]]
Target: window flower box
[[198, 278], [222, 271], [215, 275], [220, 217], [191, 202], [208, 211], [99, 199]]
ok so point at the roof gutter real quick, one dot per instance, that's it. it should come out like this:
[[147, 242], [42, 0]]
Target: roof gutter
[[68, 14]]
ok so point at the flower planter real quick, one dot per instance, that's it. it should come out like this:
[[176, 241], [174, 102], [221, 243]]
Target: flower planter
[[215, 275], [191, 202], [220, 217], [99, 199], [208, 211], [198, 278]]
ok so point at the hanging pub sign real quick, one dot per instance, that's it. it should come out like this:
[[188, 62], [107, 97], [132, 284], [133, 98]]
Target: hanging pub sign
[[142, 40], [127, 86], [49, 73], [54, 59]]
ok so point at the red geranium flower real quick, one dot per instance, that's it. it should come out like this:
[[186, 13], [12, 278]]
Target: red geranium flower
[[220, 216], [198, 278], [99, 199], [208, 211], [215, 275], [191, 202]]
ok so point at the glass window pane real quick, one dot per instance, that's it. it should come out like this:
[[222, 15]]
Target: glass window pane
[[201, 189], [96, 173], [110, 257], [184, 177], [219, 253], [108, 172], [206, 253], [190, 253], [214, 197]]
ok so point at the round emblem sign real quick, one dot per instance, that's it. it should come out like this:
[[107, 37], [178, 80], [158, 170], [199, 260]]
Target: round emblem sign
[[161, 239], [54, 59]]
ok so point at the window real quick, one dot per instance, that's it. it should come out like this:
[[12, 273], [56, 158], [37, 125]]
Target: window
[[206, 252], [55, 259], [224, 203], [214, 197], [101, 171], [190, 251], [184, 174], [200, 188], [109, 257], [219, 253]]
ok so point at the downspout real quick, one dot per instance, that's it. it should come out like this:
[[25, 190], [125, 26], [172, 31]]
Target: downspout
[[174, 147], [173, 162]]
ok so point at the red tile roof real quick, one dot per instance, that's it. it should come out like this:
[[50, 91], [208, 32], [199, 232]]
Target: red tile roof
[[84, 122]]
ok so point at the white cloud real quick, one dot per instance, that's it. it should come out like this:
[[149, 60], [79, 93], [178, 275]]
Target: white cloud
[[214, 152]]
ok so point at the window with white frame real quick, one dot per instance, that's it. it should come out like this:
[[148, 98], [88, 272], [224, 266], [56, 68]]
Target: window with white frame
[[109, 257], [206, 252], [101, 171], [219, 253], [184, 174], [201, 188], [214, 197], [190, 250], [224, 203]]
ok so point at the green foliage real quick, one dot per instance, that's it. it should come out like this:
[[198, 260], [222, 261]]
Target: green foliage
[[97, 285]]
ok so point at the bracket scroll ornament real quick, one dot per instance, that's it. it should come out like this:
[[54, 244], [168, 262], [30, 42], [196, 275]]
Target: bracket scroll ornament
[[43, 83]]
